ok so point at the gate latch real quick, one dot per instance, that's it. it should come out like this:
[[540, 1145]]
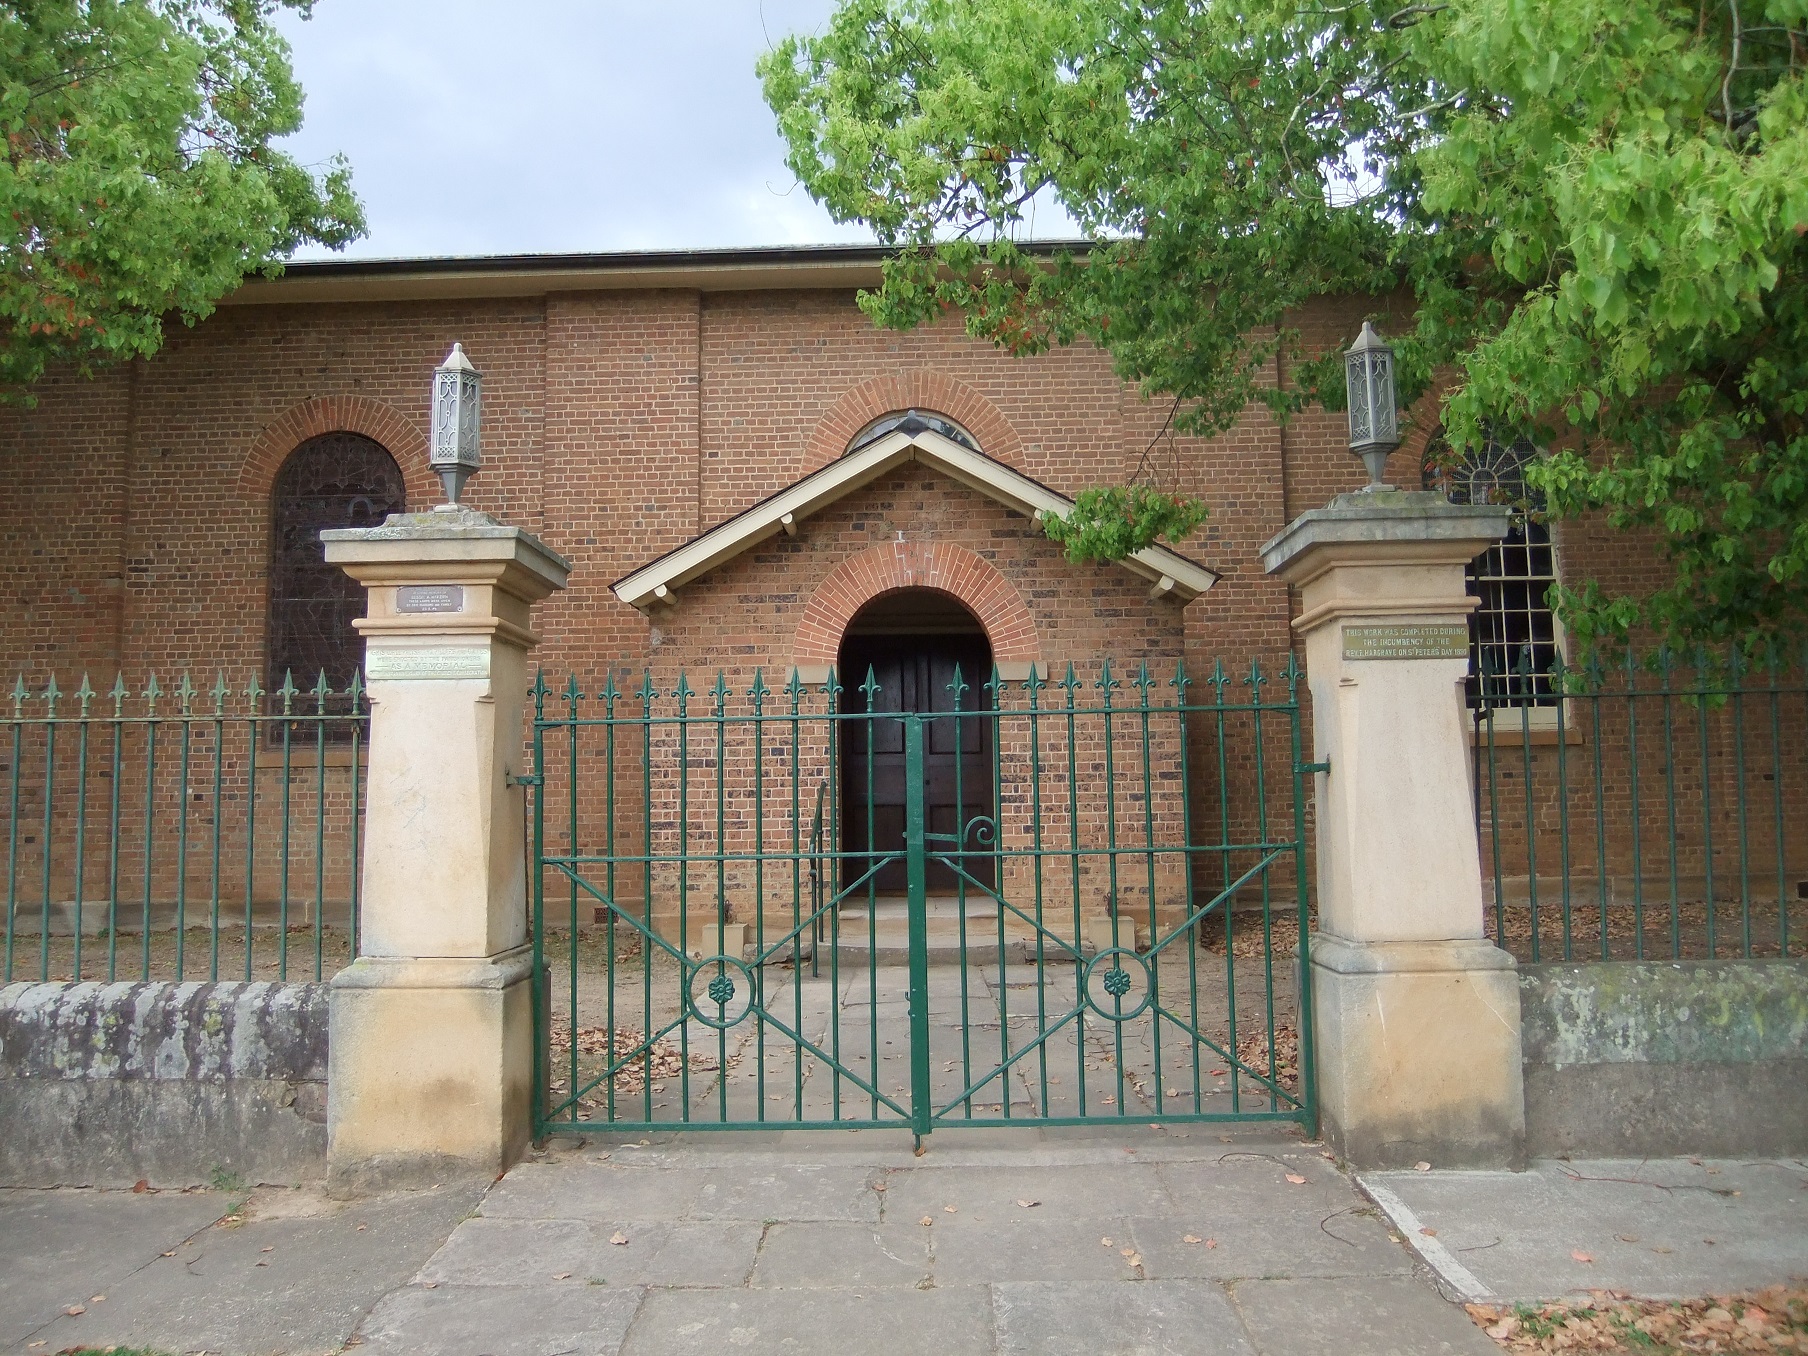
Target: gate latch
[[532, 779], [1324, 767]]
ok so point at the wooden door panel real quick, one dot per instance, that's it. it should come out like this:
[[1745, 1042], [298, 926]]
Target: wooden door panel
[[914, 674]]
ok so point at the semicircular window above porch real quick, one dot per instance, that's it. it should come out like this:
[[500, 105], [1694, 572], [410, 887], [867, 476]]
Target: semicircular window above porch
[[909, 422]]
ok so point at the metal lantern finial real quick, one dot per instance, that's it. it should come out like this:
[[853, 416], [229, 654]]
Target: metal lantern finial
[[457, 409], [1368, 369]]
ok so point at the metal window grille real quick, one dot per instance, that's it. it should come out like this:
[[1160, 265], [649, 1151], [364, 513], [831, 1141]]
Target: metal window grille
[[1513, 648]]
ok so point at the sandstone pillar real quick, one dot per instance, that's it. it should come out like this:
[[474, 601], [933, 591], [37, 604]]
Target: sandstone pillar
[[1416, 1014], [431, 1058]]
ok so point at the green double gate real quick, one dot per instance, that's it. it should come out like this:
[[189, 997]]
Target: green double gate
[[1052, 903]]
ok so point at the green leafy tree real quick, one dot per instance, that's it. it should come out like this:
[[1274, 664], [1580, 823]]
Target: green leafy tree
[[1585, 216], [140, 178]]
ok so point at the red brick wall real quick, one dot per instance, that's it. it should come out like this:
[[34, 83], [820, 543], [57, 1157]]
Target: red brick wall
[[619, 424], [62, 527]]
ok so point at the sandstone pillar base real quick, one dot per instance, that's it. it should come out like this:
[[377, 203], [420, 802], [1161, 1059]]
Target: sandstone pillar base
[[432, 1065], [1418, 1052]]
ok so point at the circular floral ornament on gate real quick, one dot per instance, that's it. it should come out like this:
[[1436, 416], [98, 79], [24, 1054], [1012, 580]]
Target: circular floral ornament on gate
[[710, 1001], [1117, 968]]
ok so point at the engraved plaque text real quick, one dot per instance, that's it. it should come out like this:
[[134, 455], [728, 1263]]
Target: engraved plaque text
[[1424, 640], [430, 598], [427, 662]]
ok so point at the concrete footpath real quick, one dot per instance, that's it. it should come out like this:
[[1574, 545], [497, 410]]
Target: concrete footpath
[[1194, 1241]]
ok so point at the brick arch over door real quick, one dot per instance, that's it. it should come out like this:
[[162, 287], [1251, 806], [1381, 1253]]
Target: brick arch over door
[[339, 414], [953, 570], [918, 388]]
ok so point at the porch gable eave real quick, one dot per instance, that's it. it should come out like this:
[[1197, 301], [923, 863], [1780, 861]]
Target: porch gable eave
[[660, 579]]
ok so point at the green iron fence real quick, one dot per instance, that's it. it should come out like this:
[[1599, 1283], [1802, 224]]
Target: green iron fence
[[1645, 809], [1026, 902], [175, 832]]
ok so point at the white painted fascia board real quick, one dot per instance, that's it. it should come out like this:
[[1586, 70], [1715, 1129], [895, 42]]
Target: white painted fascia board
[[747, 529], [992, 478]]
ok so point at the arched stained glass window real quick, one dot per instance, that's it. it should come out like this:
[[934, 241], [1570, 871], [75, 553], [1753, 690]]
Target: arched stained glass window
[[1512, 632], [335, 480], [911, 421]]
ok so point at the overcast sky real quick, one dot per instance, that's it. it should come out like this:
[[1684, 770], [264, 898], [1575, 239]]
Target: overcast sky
[[535, 125]]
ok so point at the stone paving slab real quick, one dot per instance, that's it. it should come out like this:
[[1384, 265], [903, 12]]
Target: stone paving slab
[[48, 1252], [496, 1321], [1657, 1227], [843, 1256], [513, 1252], [296, 1276], [1118, 1318], [1055, 1249], [741, 1188], [940, 1322], [1388, 1316], [985, 1195], [791, 1190], [1264, 1224]]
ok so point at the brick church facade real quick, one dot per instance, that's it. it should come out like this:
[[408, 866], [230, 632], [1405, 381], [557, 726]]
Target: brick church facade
[[746, 475], [631, 404]]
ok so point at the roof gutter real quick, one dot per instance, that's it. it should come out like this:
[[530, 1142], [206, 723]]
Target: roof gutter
[[785, 268]]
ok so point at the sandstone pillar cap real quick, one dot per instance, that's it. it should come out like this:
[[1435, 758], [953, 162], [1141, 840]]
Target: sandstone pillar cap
[[445, 543], [1381, 527]]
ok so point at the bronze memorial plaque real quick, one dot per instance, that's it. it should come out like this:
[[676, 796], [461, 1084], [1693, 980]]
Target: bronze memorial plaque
[[430, 598], [1421, 640]]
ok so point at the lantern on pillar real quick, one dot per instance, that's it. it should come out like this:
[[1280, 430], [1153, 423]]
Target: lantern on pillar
[[1368, 369], [457, 404]]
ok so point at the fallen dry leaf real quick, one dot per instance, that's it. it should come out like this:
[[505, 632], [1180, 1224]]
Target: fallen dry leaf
[[949, 1209], [1580, 1256], [1106, 1242], [1127, 1252], [1296, 1179], [75, 1311], [1136, 1259], [1771, 1321], [926, 1220], [641, 1063], [1029, 1205], [1211, 1242], [561, 1275], [1421, 1166], [140, 1186], [619, 1239], [1429, 1233], [1192, 1238]]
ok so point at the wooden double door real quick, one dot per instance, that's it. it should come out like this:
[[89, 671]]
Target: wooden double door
[[916, 674]]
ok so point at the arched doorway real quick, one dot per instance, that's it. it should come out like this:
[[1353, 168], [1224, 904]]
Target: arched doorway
[[914, 643]]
